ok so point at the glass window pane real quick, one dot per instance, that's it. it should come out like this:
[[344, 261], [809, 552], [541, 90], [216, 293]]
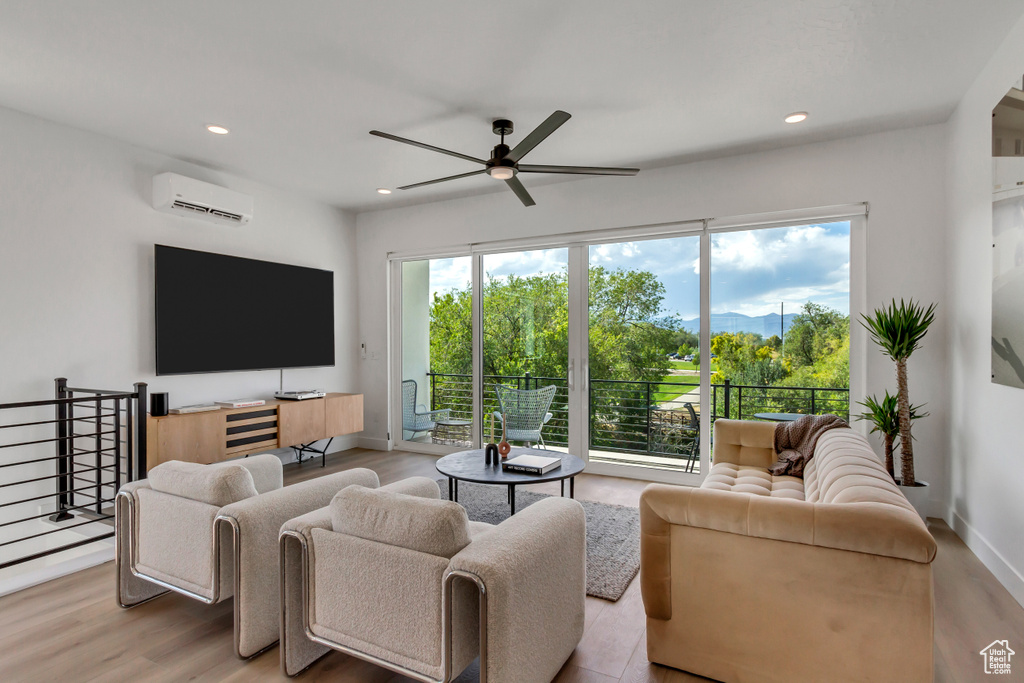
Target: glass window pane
[[644, 338], [437, 350], [526, 344], [780, 321]]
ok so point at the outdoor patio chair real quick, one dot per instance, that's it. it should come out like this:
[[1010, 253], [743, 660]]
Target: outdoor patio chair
[[416, 418], [524, 412]]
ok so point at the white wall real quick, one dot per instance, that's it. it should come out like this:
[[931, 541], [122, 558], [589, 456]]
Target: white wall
[[77, 231], [985, 503], [901, 174]]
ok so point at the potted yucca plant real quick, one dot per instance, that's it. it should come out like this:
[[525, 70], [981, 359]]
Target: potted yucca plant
[[898, 331], [884, 417]]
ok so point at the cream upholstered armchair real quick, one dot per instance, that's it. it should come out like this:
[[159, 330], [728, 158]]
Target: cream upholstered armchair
[[210, 532], [401, 579]]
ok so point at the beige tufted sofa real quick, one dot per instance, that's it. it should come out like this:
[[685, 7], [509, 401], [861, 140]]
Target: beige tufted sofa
[[753, 577]]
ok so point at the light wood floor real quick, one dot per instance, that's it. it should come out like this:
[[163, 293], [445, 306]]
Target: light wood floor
[[70, 629]]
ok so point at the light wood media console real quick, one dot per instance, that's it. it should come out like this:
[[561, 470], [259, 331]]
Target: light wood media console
[[232, 432]]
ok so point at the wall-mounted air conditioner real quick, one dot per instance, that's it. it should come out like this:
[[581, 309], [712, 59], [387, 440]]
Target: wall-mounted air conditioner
[[173, 193]]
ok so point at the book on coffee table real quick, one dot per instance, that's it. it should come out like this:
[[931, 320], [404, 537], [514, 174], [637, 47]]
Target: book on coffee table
[[531, 464]]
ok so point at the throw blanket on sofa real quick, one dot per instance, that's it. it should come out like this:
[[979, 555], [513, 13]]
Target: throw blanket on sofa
[[795, 442]]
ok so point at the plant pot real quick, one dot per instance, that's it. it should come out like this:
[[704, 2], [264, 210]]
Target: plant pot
[[918, 495]]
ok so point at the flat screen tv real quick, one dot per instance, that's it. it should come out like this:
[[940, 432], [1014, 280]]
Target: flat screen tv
[[218, 313]]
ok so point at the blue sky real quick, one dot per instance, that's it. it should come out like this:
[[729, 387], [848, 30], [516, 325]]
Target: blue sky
[[752, 271]]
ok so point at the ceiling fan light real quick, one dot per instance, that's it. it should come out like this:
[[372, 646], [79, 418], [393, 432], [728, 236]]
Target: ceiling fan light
[[501, 172]]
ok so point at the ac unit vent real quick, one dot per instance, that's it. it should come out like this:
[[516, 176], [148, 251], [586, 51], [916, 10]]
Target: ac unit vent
[[226, 215], [178, 204]]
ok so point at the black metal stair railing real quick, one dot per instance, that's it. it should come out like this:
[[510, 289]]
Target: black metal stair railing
[[98, 439]]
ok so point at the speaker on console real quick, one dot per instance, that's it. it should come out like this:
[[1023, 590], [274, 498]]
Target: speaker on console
[[158, 404]]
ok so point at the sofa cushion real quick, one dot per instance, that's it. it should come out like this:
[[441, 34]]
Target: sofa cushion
[[844, 469], [436, 527], [754, 480], [219, 486]]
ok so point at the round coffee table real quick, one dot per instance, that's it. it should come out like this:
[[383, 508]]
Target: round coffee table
[[470, 466]]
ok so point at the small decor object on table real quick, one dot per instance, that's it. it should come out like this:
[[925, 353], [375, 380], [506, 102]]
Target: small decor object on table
[[491, 456], [504, 447]]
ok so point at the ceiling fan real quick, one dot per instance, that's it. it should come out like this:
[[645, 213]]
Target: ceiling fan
[[504, 162]]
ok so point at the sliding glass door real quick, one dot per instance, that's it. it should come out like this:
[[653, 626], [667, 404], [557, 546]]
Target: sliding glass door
[[435, 337], [644, 399], [525, 325], [628, 349]]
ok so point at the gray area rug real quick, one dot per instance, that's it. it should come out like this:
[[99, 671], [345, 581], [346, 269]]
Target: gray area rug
[[613, 532]]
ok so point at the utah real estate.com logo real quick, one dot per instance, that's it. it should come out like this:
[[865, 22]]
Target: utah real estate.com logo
[[997, 657]]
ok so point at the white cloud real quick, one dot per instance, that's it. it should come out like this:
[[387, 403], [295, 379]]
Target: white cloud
[[447, 274], [752, 271]]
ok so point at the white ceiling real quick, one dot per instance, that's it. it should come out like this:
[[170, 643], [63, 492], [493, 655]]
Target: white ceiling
[[648, 82]]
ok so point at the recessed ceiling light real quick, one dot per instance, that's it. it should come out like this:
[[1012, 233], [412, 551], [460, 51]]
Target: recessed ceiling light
[[796, 117], [383, 190], [219, 130]]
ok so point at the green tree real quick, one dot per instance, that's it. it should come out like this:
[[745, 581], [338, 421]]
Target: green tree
[[817, 332]]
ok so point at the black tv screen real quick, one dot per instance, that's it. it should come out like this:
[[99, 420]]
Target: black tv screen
[[217, 313]]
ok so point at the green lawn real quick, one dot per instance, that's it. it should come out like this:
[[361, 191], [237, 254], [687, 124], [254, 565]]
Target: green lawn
[[683, 365], [667, 392]]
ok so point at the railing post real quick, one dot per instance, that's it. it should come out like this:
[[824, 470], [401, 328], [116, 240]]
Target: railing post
[[433, 391], [141, 443], [813, 411], [727, 392], [648, 416], [117, 444], [129, 441], [98, 421], [63, 487]]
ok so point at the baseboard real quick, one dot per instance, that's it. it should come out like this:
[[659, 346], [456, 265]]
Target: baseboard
[[373, 443], [1011, 579]]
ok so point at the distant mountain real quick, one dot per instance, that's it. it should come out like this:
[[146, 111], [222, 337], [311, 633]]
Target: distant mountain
[[765, 325]]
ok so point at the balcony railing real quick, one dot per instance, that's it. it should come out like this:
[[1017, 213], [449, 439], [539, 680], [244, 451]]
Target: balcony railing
[[638, 417]]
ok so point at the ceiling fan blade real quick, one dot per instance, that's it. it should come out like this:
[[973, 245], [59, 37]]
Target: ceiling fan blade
[[423, 145], [582, 170], [549, 126], [520, 191], [441, 180]]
